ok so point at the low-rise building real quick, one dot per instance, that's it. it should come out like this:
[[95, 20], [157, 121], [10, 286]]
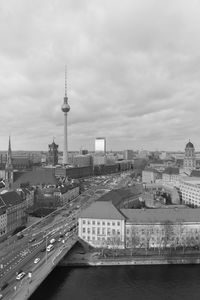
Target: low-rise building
[[102, 225], [150, 175], [171, 176]]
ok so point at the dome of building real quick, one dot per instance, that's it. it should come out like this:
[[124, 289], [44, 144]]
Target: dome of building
[[189, 145]]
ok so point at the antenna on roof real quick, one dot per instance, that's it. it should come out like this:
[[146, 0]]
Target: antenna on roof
[[65, 80]]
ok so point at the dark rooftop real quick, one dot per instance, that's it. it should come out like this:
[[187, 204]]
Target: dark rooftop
[[11, 198], [37, 177], [171, 171], [160, 215], [195, 173]]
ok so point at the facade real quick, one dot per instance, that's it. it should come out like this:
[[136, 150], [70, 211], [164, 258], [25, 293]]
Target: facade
[[150, 175], [189, 162], [171, 176], [82, 160], [15, 210], [52, 157], [158, 228], [100, 145], [190, 191], [3, 219], [102, 225], [65, 108], [9, 168], [128, 154]]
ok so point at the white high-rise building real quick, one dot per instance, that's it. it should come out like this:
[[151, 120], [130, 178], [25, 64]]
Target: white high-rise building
[[100, 145]]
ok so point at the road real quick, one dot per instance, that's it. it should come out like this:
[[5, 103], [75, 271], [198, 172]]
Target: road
[[19, 254]]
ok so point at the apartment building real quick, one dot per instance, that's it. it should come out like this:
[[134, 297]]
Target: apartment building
[[190, 191], [3, 219]]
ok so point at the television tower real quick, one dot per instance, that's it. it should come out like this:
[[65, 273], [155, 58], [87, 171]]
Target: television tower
[[65, 108]]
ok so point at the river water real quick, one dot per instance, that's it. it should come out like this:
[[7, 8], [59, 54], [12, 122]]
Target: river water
[[170, 282]]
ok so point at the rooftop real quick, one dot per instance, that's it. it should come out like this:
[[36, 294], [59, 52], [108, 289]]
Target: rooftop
[[11, 198], [37, 177], [195, 173], [102, 210], [159, 215], [171, 171]]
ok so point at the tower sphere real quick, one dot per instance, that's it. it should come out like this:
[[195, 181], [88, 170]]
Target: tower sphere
[[65, 107]]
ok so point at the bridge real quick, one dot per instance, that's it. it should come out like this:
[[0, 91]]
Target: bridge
[[29, 254]]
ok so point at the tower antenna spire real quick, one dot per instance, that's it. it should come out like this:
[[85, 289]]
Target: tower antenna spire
[[65, 80]]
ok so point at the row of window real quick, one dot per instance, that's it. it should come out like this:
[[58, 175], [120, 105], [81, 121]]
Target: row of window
[[99, 223], [102, 231]]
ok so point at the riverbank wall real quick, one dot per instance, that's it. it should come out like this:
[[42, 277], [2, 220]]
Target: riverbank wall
[[91, 261]]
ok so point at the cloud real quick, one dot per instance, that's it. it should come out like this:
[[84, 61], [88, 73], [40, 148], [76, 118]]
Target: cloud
[[133, 73]]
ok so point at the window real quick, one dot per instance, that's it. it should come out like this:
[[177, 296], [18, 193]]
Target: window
[[113, 232], [113, 223], [93, 222], [98, 223], [103, 223], [103, 230], [88, 230], [127, 231], [118, 223], [83, 221], [108, 231], [83, 229], [108, 223], [93, 230], [98, 230], [88, 222]]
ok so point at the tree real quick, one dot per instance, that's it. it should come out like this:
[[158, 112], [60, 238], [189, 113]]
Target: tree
[[134, 239], [168, 233]]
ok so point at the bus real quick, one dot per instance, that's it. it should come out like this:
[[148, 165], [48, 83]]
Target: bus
[[50, 247]]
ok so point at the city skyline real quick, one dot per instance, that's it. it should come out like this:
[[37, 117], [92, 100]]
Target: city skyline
[[133, 74]]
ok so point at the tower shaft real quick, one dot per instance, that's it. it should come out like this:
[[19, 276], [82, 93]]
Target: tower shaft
[[65, 146], [65, 108]]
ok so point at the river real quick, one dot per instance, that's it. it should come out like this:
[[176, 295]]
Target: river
[[170, 282]]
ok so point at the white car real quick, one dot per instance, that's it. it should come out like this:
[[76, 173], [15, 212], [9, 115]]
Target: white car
[[20, 275], [36, 260]]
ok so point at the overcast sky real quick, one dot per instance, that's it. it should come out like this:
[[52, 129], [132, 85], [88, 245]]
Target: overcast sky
[[133, 73]]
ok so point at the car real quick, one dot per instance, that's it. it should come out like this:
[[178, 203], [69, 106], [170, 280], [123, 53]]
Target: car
[[18, 272], [36, 260], [20, 276], [32, 240], [50, 247], [4, 285]]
